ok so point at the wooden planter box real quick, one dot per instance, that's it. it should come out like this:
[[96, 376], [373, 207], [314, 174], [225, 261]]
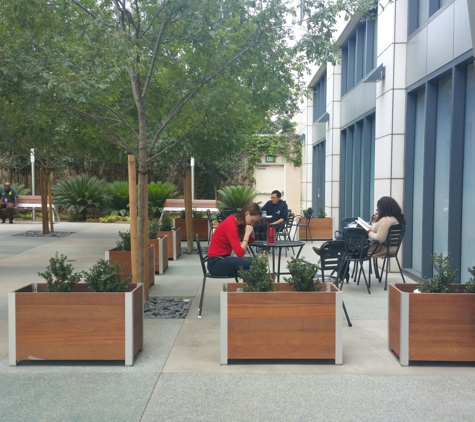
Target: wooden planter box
[[200, 227], [321, 228], [431, 326], [174, 236], [78, 325], [124, 257], [282, 324], [160, 245]]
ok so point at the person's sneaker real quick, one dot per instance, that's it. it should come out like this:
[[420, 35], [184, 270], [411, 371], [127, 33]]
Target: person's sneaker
[[3, 220]]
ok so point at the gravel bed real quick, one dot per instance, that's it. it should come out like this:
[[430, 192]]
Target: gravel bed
[[33, 233], [166, 307]]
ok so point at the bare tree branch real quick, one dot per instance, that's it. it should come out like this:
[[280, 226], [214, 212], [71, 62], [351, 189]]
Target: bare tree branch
[[116, 137], [116, 114], [90, 13], [154, 58]]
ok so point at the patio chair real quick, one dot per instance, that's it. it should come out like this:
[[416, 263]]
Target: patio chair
[[332, 260], [389, 250], [211, 225], [206, 274], [304, 221], [344, 222]]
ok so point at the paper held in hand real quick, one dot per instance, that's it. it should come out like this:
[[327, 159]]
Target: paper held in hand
[[363, 223]]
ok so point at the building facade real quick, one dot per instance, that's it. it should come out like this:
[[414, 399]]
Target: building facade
[[396, 118]]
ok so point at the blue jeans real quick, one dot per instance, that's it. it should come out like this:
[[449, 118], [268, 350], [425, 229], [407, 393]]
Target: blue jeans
[[220, 267]]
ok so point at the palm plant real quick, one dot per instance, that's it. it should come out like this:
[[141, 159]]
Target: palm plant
[[236, 197], [158, 193], [78, 194], [119, 202]]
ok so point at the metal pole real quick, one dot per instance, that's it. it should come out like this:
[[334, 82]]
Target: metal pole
[[32, 160], [192, 164]]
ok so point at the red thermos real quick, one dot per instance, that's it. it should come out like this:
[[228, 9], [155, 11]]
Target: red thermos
[[270, 235]]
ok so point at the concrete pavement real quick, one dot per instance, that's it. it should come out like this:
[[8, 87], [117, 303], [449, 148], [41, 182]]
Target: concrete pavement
[[178, 377]]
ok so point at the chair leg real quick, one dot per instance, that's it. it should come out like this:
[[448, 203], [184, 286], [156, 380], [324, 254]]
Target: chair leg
[[400, 269], [376, 269], [364, 276], [309, 232], [346, 315], [387, 271], [202, 297]]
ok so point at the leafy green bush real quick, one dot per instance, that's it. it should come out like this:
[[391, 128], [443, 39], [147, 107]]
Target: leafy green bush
[[443, 279], [158, 193], [303, 275], [19, 187], [153, 227], [106, 277], [113, 218], [59, 276], [258, 278], [236, 197], [124, 242], [470, 286], [119, 198], [321, 212], [78, 195], [165, 223]]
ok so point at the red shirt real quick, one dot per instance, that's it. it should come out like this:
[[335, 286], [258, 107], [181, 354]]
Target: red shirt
[[226, 239]]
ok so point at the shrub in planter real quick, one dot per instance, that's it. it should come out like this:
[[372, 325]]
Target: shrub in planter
[[174, 236], [444, 277], [258, 278], [303, 275], [165, 223], [236, 197], [470, 286], [106, 277], [124, 242], [160, 243], [59, 276]]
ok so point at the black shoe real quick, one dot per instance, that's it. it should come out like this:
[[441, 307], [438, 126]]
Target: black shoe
[[11, 221], [317, 250], [3, 220]]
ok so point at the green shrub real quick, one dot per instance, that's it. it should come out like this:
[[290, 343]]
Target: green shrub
[[113, 218], [158, 193], [124, 242], [236, 197], [153, 227], [470, 286], [106, 277], [59, 276], [258, 278], [78, 195], [444, 277], [119, 198], [165, 223], [321, 212], [308, 213], [303, 275]]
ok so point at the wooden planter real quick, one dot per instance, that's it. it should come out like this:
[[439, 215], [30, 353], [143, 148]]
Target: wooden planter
[[321, 228], [282, 324], [200, 227], [174, 236], [431, 326], [160, 246], [124, 258], [79, 325]]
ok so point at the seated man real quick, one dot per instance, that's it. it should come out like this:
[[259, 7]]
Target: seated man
[[9, 197], [277, 212]]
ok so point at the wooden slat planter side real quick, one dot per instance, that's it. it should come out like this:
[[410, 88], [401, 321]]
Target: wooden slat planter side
[[174, 242], [435, 326], [321, 228], [283, 324], [78, 325], [125, 258], [160, 245], [200, 227]]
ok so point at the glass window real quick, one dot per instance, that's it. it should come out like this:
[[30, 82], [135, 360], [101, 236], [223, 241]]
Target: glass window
[[442, 165], [468, 204], [318, 182], [418, 181], [422, 12], [320, 97]]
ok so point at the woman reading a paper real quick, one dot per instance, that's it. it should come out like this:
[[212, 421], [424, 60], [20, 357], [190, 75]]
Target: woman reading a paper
[[389, 213]]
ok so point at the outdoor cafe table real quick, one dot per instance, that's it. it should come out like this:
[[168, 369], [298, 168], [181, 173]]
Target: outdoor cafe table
[[279, 245]]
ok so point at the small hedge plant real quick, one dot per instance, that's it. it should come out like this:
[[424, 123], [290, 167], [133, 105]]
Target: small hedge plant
[[165, 223], [470, 286], [303, 275], [444, 277], [106, 277], [59, 276], [124, 242], [258, 278]]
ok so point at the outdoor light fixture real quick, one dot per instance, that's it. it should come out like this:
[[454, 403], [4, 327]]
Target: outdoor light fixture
[[376, 75]]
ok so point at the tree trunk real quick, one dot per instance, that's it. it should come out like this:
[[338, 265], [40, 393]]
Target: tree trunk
[[133, 218]]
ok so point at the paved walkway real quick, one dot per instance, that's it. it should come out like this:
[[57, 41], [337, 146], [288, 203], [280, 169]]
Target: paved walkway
[[178, 377]]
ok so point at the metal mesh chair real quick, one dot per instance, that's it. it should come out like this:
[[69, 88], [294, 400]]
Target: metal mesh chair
[[206, 274], [332, 261], [210, 225], [344, 222]]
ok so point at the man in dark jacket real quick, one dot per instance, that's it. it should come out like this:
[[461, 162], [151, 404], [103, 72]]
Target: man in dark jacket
[[277, 212], [9, 197]]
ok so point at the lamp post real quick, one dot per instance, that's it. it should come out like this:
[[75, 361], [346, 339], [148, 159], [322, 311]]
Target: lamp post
[[192, 165], [32, 161]]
